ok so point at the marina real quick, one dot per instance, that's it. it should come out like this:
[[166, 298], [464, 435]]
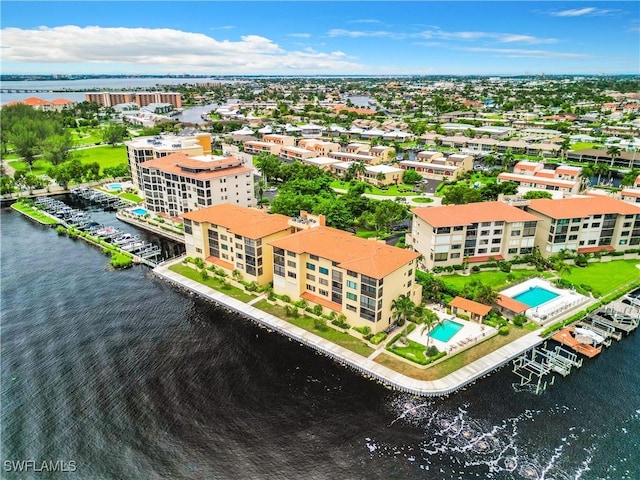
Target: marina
[[143, 251]]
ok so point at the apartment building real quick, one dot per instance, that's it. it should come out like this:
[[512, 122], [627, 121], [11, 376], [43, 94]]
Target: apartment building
[[142, 99], [434, 165], [142, 149], [452, 234], [319, 147], [179, 183], [235, 238], [632, 194], [271, 143], [343, 273], [533, 175], [585, 224]]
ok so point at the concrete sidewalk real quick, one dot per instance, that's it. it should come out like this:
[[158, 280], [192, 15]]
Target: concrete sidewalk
[[366, 366]]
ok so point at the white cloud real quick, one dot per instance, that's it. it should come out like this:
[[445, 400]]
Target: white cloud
[[520, 53], [339, 32], [365, 20], [299, 35], [438, 34], [166, 50], [580, 12], [224, 27]]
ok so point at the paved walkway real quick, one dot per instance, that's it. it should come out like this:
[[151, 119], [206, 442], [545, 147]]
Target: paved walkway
[[366, 366]]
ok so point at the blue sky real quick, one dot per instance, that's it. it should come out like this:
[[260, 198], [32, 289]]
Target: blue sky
[[309, 37]]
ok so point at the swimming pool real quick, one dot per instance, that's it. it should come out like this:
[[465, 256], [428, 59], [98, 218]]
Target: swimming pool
[[445, 331], [535, 296], [140, 211], [114, 186]]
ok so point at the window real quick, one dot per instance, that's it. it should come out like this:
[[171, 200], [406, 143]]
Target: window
[[351, 284], [313, 257], [323, 281], [311, 277], [324, 271], [351, 273], [440, 257], [324, 293], [351, 308], [455, 255], [291, 264], [456, 246], [513, 250], [291, 254], [515, 233], [311, 288], [291, 274], [352, 296], [311, 266]]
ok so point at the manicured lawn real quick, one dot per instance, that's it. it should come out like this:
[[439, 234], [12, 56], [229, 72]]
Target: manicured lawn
[[339, 338], [414, 351], [605, 277], [422, 200], [86, 136], [451, 364], [34, 213], [131, 196], [391, 191], [493, 279], [212, 282], [39, 167], [583, 145], [105, 155]]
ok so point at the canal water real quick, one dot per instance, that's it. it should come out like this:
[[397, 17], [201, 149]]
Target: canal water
[[130, 378]]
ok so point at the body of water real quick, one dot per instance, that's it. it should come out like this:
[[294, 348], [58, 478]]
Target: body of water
[[130, 378]]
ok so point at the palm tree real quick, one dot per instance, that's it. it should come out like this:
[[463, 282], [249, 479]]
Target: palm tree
[[260, 186], [614, 152], [403, 308], [564, 148], [587, 173], [600, 169], [629, 178], [429, 321], [508, 159], [237, 275]]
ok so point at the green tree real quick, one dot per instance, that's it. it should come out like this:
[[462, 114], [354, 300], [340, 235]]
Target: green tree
[[411, 177], [402, 308], [531, 194], [57, 148], [614, 152], [269, 165], [429, 321], [387, 213], [114, 134], [485, 294], [461, 194], [25, 142], [629, 178], [600, 169]]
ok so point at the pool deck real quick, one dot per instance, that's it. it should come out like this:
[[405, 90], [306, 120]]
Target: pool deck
[[366, 366]]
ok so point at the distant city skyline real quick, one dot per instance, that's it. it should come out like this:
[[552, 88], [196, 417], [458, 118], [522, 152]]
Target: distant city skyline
[[320, 38]]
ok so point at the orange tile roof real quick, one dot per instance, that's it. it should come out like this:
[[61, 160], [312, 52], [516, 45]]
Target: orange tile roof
[[453, 215], [526, 166], [470, 306], [539, 179], [219, 262], [322, 301], [582, 207], [35, 101], [173, 164], [248, 222], [602, 248], [368, 257], [485, 258], [62, 101], [511, 304], [630, 192]]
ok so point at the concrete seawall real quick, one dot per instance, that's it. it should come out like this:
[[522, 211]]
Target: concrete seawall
[[368, 368]]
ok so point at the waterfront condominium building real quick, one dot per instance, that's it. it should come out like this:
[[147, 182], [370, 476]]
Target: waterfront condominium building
[[142, 99], [586, 224], [343, 273], [142, 149], [475, 232], [235, 238], [180, 183]]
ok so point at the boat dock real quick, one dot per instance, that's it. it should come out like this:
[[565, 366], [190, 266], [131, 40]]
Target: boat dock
[[105, 200], [142, 251], [567, 336], [536, 364]]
